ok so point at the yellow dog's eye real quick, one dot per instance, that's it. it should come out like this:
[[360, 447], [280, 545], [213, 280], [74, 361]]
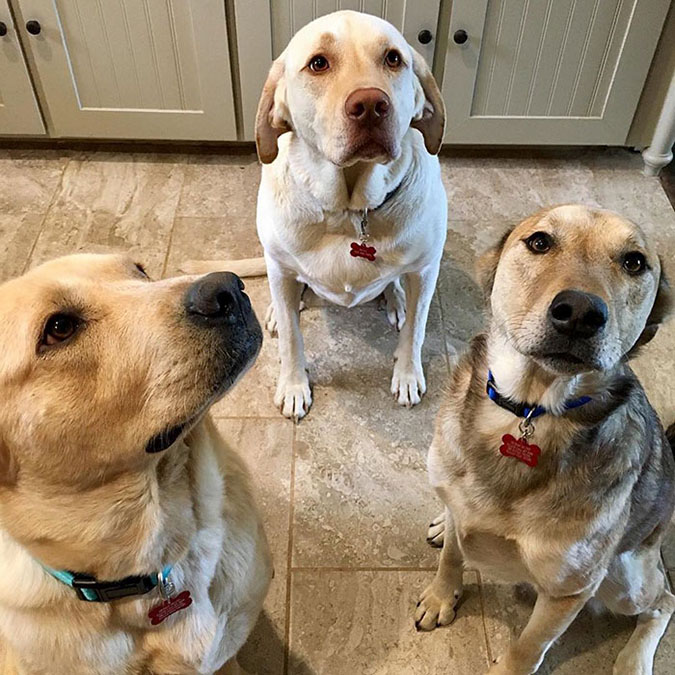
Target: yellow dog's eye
[[393, 58], [539, 242], [319, 63], [634, 262], [59, 328]]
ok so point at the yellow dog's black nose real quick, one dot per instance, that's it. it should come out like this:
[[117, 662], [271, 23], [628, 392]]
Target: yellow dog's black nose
[[217, 298], [578, 314]]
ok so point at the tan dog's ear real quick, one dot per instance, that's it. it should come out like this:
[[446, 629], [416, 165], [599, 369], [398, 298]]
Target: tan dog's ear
[[661, 310], [429, 107], [272, 118], [486, 266]]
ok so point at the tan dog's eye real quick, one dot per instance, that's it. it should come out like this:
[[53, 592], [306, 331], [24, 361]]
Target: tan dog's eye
[[634, 262], [539, 242], [59, 328], [393, 58], [319, 64]]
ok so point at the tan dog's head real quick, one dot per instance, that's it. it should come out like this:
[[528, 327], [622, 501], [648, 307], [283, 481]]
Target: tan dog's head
[[576, 288], [350, 86], [100, 368]]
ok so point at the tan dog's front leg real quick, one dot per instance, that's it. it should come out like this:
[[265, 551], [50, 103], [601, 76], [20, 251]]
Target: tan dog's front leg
[[550, 619], [293, 396], [439, 600], [408, 384]]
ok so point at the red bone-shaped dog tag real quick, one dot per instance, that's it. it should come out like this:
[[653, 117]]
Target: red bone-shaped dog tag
[[165, 609], [362, 251], [520, 449]]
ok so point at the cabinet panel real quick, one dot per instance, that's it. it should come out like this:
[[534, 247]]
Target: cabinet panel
[[264, 28], [19, 112], [151, 69], [548, 71]]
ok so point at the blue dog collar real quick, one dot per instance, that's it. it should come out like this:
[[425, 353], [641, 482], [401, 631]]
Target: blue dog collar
[[526, 410], [88, 588]]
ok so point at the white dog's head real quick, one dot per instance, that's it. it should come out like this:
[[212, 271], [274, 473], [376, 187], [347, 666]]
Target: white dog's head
[[350, 86]]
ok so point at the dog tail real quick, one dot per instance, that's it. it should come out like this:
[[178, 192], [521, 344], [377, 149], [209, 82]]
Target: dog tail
[[670, 435], [246, 267]]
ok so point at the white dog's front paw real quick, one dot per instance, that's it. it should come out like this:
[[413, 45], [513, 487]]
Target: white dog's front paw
[[436, 531], [408, 384], [437, 605], [293, 397], [394, 298]]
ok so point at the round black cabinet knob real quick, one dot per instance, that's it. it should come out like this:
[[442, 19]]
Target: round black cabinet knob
[[425, 36], [3, 29], [33, 27], [460, 36]]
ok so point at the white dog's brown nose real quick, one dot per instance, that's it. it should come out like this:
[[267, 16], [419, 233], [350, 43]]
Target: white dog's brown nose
[[367, 106]]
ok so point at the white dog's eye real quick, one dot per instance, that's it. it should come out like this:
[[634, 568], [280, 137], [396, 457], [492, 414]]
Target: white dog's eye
[[393, 58], [319, 63]]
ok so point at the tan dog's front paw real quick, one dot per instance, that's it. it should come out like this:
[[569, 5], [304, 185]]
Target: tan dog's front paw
[[293, 398], [408, 384], [437, 605]]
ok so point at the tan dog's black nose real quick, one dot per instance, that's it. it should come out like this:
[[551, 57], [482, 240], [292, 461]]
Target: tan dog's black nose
[[578, 314], [216, 299], [367, 106]]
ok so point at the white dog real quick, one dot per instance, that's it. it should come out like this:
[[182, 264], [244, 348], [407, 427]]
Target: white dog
[[351, 201]]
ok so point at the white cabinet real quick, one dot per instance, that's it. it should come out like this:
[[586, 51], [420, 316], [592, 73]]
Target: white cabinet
[[547, 71], [148, 69], [264, 28], [19, 112]]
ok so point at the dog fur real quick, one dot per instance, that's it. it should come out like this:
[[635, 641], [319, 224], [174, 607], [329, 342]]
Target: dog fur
[[321, 169], [79, 492], [589, 519]]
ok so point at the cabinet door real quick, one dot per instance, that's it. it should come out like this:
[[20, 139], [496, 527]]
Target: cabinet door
[[149, 69], [264, 28], [19, 112], [548, 71]]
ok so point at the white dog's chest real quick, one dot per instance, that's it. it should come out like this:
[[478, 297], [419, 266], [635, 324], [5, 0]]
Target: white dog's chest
[[322, 257]]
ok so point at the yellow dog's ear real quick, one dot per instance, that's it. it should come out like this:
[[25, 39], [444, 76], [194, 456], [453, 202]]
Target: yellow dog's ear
[[429, 108], [272, 118], [661, 310]]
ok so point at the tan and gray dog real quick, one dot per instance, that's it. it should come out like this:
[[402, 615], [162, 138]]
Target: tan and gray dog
[[554, 468]]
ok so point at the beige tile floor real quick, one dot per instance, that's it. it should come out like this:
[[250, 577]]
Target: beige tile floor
[[344, 494]]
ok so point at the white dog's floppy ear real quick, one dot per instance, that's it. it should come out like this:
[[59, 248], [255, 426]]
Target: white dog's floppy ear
[[429, 108], [272, 118]]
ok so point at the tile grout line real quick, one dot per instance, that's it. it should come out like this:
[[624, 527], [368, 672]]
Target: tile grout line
[[479, 579], [57, 191], [289, 557], [173, 220]]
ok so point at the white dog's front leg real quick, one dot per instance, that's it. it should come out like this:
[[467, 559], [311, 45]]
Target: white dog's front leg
[[408, 384], [293, 396]]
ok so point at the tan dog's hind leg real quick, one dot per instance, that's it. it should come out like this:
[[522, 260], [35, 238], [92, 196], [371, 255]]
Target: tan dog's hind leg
[[637, 657], [635, 584], [550, 619], [439, 600]]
